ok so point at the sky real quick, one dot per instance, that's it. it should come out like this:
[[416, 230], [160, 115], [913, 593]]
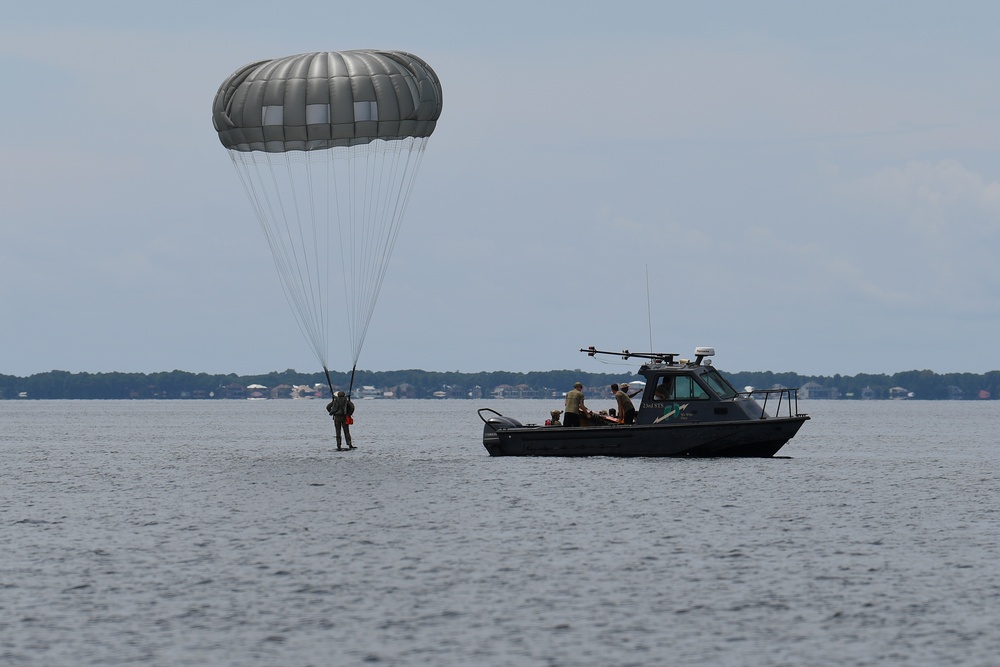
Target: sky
[[806, 186]]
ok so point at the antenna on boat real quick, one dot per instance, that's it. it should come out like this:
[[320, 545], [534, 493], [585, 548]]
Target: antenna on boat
[[649, 311]]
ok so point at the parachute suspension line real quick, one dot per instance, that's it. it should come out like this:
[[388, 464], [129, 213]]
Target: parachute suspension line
[[368, 230], [404, 200], [402, 170], [368, 207], [294, 269], [341, 189], [298, 196], [329, 382], [328, 238], [263, 207], [374, 231], [270, 209], [320, 287], [311, 293], [359, 229], [351, 387], [347, 191], [396, 174], [345, 196]]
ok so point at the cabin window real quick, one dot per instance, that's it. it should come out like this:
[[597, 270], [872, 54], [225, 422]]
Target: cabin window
[[679, 388], [719, 384]]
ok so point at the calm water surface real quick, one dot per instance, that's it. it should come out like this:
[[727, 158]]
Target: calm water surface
[[228, 533]]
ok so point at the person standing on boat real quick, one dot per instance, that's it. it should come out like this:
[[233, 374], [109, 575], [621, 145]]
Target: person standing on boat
[[574, 405], [341, 408], [625, 406]]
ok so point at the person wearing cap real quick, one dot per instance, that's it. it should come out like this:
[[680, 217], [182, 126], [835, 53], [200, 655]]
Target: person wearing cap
[[574, 405], [625, 406], [554, 419], [341, 408]]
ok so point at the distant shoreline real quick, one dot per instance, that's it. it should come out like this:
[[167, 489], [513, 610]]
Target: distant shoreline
[[486, 385]]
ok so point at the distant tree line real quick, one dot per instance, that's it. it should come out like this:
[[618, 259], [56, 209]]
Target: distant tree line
[[925, 384], [182, 384]]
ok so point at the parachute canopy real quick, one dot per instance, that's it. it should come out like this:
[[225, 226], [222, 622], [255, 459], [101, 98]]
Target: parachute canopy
[[327, 146], [315, 101]]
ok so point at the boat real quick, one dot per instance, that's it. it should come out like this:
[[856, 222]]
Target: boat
[[688, 408]]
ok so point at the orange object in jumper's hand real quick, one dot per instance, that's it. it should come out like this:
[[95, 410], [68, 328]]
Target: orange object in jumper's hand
[[348, 420]]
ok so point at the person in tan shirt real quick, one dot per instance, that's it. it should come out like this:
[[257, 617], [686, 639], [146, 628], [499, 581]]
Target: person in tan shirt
[[574, 405]]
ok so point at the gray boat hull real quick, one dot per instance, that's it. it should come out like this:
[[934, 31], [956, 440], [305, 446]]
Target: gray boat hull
[[742, 438]]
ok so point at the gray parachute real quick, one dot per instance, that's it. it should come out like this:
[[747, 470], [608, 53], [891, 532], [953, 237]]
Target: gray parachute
[[327, 147], [315, 101]]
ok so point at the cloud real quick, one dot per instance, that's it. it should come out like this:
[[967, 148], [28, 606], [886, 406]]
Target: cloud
[[937, 223], [941, 196]]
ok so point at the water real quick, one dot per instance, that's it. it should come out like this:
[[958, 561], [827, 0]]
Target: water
[[228, 533]]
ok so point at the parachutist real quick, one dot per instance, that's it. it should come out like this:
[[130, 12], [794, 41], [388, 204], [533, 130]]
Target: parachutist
[[341, 408]]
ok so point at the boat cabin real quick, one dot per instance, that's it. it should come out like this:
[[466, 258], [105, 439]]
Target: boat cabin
[[681, 390]]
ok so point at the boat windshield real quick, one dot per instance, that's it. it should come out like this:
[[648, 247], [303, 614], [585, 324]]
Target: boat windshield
[[679, 388], [719, 384]]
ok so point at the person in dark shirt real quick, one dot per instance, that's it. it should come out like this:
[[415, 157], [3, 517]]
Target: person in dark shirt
[[625, 406]]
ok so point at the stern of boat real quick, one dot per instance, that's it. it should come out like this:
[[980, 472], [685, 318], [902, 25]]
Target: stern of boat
[[493, 422]]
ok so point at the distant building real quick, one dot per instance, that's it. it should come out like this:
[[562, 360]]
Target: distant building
[[520, 391], [503, 391], [450, 391], [524, 391], [256, 391], [816, 391], [282, 391], [305, 391], [234, 390], [406, 390], [368, 391]]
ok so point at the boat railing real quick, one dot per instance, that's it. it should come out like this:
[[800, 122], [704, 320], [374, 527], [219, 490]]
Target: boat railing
[[486, 419], [780, 399]]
